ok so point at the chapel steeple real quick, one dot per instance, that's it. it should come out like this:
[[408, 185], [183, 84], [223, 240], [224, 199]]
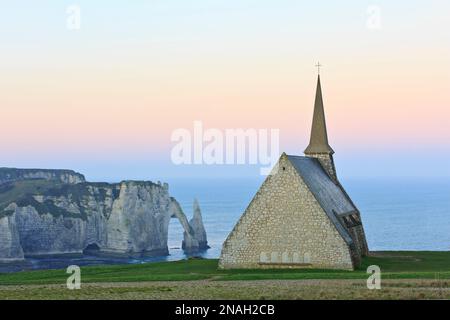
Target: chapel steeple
[[318, 144]]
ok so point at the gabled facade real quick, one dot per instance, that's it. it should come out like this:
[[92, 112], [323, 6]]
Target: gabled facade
[[301, 216]]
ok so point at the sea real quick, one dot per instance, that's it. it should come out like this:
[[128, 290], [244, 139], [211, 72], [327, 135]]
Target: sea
[[398, 214]]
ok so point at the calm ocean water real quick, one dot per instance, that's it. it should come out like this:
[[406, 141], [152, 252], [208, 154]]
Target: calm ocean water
[[400, 214]]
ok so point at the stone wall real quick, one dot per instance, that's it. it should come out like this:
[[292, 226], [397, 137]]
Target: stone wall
[[357, 233], [285, 227]]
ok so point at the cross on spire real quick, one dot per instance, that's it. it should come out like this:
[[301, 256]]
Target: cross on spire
[[318, 65]]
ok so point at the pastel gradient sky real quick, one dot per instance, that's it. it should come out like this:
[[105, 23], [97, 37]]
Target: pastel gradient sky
[[105, 99]]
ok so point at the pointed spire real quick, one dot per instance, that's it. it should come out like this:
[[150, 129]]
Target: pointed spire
[[319, 139]]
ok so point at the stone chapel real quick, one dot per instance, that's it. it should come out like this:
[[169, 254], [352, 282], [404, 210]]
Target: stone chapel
[[301, 217]]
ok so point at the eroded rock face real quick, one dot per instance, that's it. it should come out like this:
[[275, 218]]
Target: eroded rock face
[[42, 234], [198, 229], [10, 248], [131, 217], [139, 219]]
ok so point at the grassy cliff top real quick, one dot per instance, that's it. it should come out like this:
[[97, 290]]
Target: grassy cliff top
[[17, 191], [393, 265], [22, 193], [12, 174]]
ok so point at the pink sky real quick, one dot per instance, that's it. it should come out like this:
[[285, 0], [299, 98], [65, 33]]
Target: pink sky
[[112, 89]]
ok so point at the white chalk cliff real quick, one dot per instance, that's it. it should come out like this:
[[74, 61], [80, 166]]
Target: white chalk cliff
[[198, 230], [56, 212]]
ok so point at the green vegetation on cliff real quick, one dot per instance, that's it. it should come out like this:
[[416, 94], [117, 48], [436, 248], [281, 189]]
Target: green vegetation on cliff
[[17, 174], [22, 193]]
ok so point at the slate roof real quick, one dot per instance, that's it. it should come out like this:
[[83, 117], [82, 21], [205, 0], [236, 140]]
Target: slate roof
[[331, 197]]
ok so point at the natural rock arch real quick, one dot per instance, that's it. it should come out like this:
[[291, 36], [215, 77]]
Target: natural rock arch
[[194, 233]]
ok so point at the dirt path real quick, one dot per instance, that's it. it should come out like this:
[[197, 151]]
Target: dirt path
[[264, 289]]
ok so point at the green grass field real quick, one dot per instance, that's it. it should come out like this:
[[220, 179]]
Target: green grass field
[[405, 275], [394, 265]]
